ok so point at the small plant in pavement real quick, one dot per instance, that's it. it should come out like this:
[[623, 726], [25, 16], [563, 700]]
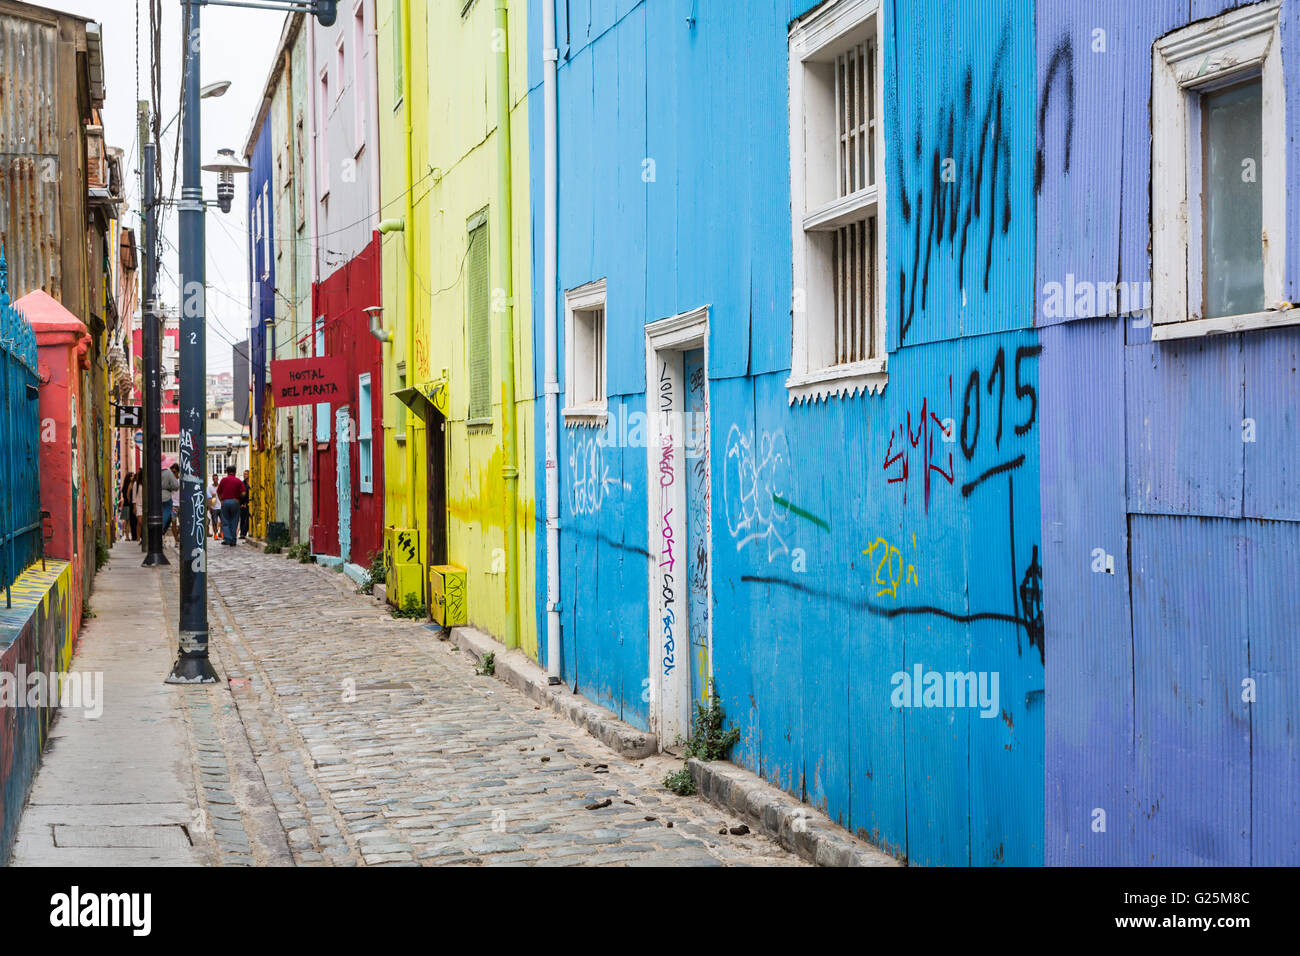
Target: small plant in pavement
[[488, 666], [411, 608], [708, 740], [680, 782], [378, 572]]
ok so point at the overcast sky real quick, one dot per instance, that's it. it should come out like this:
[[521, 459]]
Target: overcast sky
[[238, 46]]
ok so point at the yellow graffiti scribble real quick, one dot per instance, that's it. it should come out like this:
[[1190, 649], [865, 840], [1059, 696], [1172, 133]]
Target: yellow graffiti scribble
[[891, 559]]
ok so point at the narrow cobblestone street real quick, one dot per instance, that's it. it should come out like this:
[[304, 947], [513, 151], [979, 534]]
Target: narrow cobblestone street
[[343, 736]]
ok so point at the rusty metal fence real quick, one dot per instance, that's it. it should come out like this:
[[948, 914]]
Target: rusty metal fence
[[20, 502]]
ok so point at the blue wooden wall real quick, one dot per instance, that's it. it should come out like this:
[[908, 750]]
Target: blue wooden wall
[[1143, 457], [809, 627]]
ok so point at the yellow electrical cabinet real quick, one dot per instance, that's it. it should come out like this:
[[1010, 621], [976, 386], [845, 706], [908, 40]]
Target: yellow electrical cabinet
[[405, 569], [447, 595]]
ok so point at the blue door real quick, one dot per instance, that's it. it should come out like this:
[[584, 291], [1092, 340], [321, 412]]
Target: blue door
[[698, 537]]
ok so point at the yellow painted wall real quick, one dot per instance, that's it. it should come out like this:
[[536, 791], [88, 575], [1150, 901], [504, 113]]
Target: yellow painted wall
[[402, 431], [454, 88]]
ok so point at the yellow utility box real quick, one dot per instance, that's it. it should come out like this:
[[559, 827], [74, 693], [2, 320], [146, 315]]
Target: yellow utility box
[[405, 566], [447, 594]]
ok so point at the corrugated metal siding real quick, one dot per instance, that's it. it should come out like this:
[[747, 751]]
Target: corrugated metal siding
[[29, 155], [1272, 463], [1146, 668], [1184, 426], [1089, 703], [1189, 654], [957, 246]]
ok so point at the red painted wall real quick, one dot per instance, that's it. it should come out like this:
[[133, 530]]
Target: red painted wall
[[61, 354], [171, 399], [341, 299]]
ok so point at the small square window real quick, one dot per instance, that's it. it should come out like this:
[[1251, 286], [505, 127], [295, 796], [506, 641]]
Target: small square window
[[365, 436], [1218, 134], [585, 396], [400, 431]]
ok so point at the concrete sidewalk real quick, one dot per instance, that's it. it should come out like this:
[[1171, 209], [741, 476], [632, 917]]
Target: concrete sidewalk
[[118, 790], [164, 776]]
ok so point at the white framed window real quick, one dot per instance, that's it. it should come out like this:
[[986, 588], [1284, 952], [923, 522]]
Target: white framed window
[[1218, 169], [399, 432], [365, 435], [478, 320], [340, 63], [322, 135], [837, 199], [323, 421], [359, 90], [585, 400]]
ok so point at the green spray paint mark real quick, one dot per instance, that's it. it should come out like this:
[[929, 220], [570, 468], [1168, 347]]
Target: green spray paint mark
[[794, 509]]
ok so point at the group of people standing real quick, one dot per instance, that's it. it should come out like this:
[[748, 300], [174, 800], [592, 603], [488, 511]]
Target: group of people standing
[[228, 504]]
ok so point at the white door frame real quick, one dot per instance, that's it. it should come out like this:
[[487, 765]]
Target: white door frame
[[669, 644]]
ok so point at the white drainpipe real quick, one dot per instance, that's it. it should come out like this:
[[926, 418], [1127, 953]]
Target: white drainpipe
[[550, 251]]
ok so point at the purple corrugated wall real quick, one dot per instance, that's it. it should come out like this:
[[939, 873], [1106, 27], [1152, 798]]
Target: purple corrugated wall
[[1170, 545]]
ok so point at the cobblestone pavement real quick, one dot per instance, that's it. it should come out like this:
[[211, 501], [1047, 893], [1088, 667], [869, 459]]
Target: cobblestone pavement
[[379, 744]]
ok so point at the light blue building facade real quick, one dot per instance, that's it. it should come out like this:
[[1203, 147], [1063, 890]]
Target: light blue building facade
[[824, 450]]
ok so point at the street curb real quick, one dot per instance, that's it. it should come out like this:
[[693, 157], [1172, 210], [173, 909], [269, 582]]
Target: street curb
[[513, 668], [799, 828]]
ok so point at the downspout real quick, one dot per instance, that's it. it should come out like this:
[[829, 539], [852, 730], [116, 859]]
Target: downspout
[[509, 469], [550, 56], [409, 236]]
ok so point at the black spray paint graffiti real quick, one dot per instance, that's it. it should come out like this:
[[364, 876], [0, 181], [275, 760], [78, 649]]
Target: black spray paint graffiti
[[988, 416], [970, 432], [969, 184], [1060, 66]]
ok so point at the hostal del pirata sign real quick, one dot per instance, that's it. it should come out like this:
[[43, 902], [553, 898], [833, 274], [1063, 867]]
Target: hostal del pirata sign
[[309, 381]]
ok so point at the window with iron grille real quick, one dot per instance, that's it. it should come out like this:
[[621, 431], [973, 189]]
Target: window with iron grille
[[584, 338], [478, 322], [837, 198]]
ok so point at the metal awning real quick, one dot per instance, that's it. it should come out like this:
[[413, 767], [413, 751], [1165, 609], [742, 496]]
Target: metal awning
[[427, 394]]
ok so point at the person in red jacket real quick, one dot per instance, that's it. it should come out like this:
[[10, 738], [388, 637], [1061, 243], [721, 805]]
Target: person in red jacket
[[230, 490]]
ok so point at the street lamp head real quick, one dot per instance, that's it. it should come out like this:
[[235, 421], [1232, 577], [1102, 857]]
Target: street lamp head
[[214, 90], [227, 165]]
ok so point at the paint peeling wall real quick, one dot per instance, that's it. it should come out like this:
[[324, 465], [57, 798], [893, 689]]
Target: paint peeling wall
[[345, 179], [462, 143], [1170, 505], [850, 541], [341, 511], [291, 127], [399, 366]]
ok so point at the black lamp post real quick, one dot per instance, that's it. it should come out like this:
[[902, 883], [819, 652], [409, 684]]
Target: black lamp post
[[192, 663]]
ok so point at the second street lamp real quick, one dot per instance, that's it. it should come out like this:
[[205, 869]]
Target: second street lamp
[[227, 165]]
